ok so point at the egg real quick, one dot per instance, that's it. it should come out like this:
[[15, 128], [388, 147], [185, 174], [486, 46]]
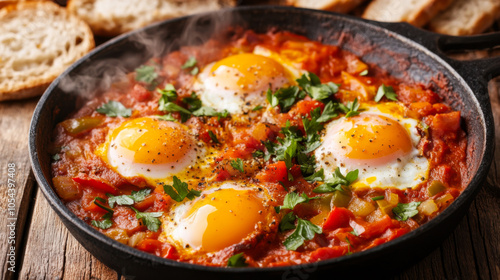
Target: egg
[[151, 148], [380, 142], [225, 214], [239, 83]]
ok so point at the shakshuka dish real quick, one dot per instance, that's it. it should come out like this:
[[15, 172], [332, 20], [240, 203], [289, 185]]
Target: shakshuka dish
[[261, 150]]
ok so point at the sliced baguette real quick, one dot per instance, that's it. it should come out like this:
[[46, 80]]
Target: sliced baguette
[[113, 17], [466, 17], [339, 6], [38, 41], [416, 12]]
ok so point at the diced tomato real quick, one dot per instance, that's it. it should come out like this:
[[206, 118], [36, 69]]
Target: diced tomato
[[304, 107], [151, 246], [124, 218], [140, 94], [95, 184], [376, 228], [328, 253], [169, 252], [275, 172], [146, 203], [446, 125], [338, 218], [222, 175], [88, 198]]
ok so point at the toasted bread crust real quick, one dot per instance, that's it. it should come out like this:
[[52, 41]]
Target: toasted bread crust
[[37, 52], [479, 17], [339, 6], [399, 11]]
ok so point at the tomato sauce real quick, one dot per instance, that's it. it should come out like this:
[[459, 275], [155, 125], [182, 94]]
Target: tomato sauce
[[350, 219]]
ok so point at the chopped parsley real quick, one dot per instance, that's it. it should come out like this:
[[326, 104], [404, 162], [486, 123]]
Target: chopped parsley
[[380, 197], [106, 222], [364, 73], [337, 181], [285, 97], [179, 191], [287, 222], [305, 230], [238, 165], [166, 117], [56, 157], [257, 108], [114, 109], [292, 199], [354, 232], [146, 74], [404, 211], [351, 109], [191, 63], [150, 219], [316, 176], [315, 89], [237, 261], [213, 137], [136, 196], [386, 91]]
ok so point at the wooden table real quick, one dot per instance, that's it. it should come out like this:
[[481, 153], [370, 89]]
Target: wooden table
[[44, 249]]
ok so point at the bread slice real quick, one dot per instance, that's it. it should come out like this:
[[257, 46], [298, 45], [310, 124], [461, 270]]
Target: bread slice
[[416, 12], [339, 6], [466, 17], [38, 41], [113, 17]]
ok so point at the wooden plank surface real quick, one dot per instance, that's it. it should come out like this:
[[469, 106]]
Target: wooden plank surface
[[14, 126]]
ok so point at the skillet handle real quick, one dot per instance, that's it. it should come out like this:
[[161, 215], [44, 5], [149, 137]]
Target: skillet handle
[[473, 71]]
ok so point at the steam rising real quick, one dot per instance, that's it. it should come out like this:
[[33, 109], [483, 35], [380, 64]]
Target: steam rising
[[112, 63]]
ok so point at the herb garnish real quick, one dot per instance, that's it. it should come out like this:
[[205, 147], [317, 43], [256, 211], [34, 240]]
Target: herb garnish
[[305, 230], [150, 219], [285, 97], [292, 199], [146, 74], [238, 165], [380, 197], [181, 190], [237, 261], [114, 109], [337, 181], [314, 88], [190, 63], [213, 137], [136, 196], [386, 91], [364, 73], [106, 218], [404, 211]]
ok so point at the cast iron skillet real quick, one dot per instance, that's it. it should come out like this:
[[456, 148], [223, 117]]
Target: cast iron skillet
[[404, 51]]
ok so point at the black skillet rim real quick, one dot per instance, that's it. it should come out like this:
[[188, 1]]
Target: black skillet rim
[[463, 200]]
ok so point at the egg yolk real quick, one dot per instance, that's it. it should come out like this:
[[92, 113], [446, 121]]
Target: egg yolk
[[152, 141], [252, 71], [222, 218], [371, 137]]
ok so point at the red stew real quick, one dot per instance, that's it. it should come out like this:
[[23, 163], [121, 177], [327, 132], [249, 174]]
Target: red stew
[[265, 154]]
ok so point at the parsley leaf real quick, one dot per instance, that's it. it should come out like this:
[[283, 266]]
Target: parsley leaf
[[136, 196], [335, 183], [208, 111], [172, 107], [182, 190], [167, 117], [258, 153], [238, 165], [404, 211], [386, 91], [329, 112], [191, 62], [106, 222], [120, 200], [305, 230], [257, 108], [315, 88], [316, 176], [292, 199], [354, 232], [168, 94], [150, 219], [193, 102], [284, 97], [213, 137], [146, 74], [114, 109], [287, 222], [237, 261], [351, 109]]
